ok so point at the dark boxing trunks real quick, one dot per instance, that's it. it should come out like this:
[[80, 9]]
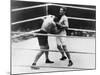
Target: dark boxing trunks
[[43, 40]]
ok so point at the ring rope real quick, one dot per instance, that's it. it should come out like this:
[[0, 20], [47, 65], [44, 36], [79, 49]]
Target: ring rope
[[77, 7], [25, 33], [32, 19], [68, 29], [30, 7], [27, 20], [33, 33], [55, 51], [81, 19]]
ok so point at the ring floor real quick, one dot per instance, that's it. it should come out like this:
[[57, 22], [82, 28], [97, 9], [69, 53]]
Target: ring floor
[[23, 56]]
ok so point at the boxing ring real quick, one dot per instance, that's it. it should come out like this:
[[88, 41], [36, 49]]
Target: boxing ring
[[82, 49]]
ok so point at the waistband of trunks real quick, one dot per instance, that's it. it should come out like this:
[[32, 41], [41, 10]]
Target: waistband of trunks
[[44, 47]]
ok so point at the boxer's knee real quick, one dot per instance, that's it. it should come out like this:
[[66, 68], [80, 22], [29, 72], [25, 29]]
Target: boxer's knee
[[59, 47]]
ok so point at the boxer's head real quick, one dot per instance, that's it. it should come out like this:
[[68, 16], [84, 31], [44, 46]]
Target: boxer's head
[[49, 17], [62, 10]]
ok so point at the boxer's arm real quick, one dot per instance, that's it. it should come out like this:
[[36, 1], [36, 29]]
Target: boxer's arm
[[63, 22], [56, 30]]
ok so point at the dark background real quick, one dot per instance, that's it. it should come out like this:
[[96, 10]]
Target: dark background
[[54, 10]]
